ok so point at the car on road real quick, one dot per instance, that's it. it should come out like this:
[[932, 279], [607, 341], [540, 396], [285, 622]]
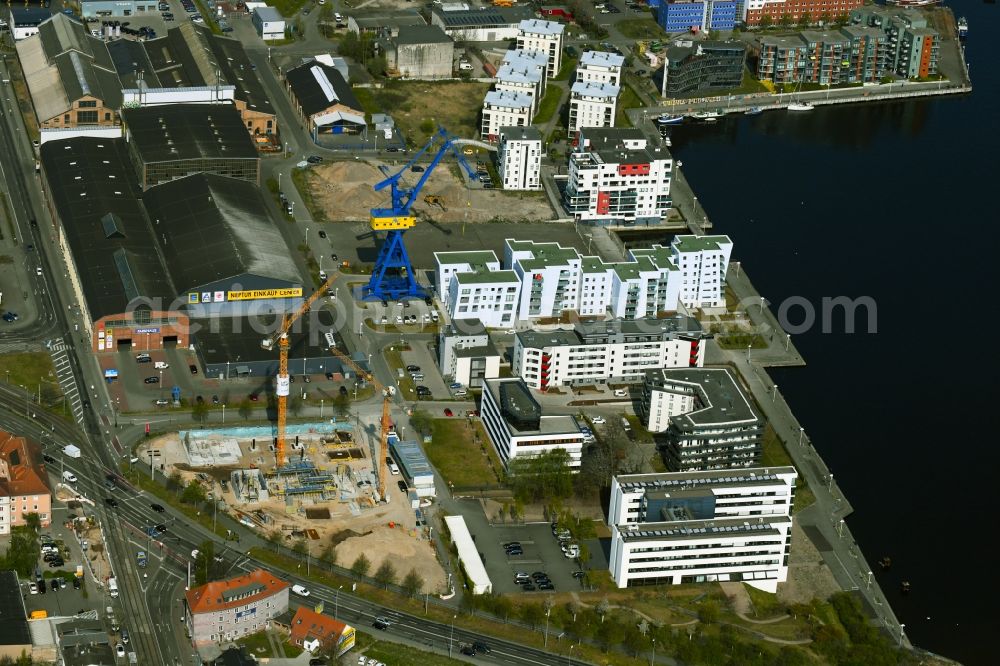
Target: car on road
[[120, 650], [253, 397], [448, 412], [151, 380], [76, 583], [402, 485], [49, 459], [413, 368], [455, 385], [161, 528], [382, 623], [468, 650], [111, 501], [158, 508], [10, 317], [621, 393], [300, 590], [193, 368], [322, 234], [597, 420]]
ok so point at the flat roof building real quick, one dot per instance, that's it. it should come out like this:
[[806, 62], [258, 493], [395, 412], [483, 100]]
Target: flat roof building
[[15, 637], [466, 354], [519, 158], [504, 108], [694, 527], [487, 24], [545, 36], [414, 465], [468, 555], [421, 52], [383, 23], [615, 351], [177, 140], [709, 421], [516, 426]]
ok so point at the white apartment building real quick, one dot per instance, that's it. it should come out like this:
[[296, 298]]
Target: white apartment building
[[530, 60], [503, 108], [473, 261], [466, 354], [545, 279], [592, 104], [606, 351], [614, 176], [703, 262], [519, 158], [694, 527], [709, 421], [516, 427], [601, 67], [544, 36], [521, 79]]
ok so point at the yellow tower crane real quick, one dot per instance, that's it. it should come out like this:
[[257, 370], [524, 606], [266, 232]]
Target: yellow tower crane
[[386, 423], [282, 384]]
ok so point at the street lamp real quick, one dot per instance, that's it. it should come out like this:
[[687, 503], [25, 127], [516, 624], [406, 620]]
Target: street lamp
[[869, 580], [829, 484], [548, 611], [774, 393], [568, 653], [802, 431], [788, 340], [748, 353], [451, 638], [652, 657], [901, 627], [336, 601]]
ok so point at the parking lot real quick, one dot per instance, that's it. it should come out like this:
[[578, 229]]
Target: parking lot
[[541, 554], [66, 600], [420, 356]]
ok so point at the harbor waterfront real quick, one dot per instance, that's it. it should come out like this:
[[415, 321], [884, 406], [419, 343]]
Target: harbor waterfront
[[892, 201]]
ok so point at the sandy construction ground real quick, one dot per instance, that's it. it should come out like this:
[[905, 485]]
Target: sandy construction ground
[[344, 191], [366, 527]]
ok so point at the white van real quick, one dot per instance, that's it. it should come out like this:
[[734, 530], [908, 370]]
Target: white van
[[113, 587], [160, 365], [69, 476]]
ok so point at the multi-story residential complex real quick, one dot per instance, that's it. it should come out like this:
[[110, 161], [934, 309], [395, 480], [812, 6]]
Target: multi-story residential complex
[[910, 45], [619, 350], [519, 158], [503, 108], [710, 65], [592, 104], [544, 36], [528, 59], [709, 421], [850, 55], [694, 527], [466, 354], [546, 279], [601, 67], [516, 426], [754, 11], [224, 610], [24, 485], [615, 177], [685, 15], [521, 79]]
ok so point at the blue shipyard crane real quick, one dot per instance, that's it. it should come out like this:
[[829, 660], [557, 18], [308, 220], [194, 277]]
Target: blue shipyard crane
[[393, 277]]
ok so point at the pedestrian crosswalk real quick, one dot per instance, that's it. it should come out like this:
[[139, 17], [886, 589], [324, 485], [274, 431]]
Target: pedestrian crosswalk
[[67, 381]]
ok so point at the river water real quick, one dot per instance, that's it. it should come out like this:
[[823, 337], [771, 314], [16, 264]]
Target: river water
[[895, 202]]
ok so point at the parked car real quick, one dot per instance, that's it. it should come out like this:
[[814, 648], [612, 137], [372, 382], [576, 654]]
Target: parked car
[[193, 368], [448, 412], [151, 380], [402, 485], [621, 393], [413, 368], [314, 159], [597, 420]]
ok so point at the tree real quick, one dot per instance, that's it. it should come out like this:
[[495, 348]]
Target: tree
[[532, 614], [33, 522], [413, 583], [300, 547], [427, 126], [422, 421], [766, 21], [805, 20], [342, 404], [199, 411], [602, 608], [205, 566], [709, 611], [245, 408], [386, 574], [610, 633], [361, 566], [540, 477], [22, 553], [785, 20], [329, 554], [295, 405], [377, 66], [175, 481], [193, 493], [634, 639]]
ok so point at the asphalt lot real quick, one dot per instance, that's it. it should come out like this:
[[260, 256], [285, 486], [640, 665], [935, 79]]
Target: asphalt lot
[[541, 553], [420, 356], [65, 601]]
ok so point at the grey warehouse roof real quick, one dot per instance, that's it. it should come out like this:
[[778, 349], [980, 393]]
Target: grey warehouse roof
[[94, 189], [187, 132], [311, 94], [14, 627], [481, 18], [213, 227], [421, 34]]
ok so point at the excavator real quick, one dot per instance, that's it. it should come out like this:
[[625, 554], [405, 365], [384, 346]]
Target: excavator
[[435, 200]]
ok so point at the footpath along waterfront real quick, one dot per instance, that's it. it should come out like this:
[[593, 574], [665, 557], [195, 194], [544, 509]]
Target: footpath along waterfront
[[823, 522]]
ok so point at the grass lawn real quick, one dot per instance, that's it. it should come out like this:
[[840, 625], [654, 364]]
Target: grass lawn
[[29, 370], [549, 105], [454, 452], [302, 178], [741, 341], [775, 455], [398, 654], [394, 358], [288, 8], [628, 99], [567, 69], [641, 28], [258, 645], [455, 106]]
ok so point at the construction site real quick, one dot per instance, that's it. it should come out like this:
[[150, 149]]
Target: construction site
[[326, 492], [344, 191]]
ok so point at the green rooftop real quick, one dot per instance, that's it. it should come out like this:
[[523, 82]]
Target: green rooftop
[[486, 277], [544, 254], [630, 270], [593, 265], [699, 243], [473, 257], [661, 256]]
